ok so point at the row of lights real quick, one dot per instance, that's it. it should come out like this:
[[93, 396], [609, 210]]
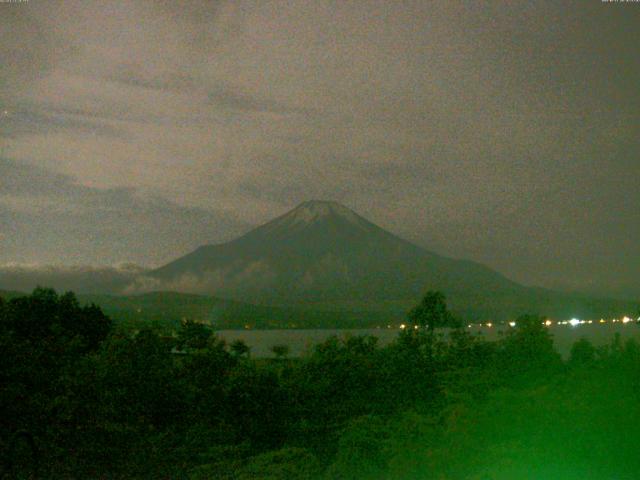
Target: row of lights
[[573, 322], [403, 326]]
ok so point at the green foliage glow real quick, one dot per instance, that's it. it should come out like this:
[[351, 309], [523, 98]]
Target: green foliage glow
[[81, 401]]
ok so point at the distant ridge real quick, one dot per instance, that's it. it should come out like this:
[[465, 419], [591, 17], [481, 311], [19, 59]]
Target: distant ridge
[[166, 310]]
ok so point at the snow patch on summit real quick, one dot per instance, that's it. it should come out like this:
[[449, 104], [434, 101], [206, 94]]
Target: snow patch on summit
[[309, 214], [313, 210]]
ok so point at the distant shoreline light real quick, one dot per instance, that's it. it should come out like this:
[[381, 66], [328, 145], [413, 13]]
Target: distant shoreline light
[[574, 322]]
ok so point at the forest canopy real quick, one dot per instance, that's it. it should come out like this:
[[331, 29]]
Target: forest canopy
[[81, 399]]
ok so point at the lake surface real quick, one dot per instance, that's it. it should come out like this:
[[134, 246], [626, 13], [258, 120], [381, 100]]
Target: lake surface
[[299, 341]]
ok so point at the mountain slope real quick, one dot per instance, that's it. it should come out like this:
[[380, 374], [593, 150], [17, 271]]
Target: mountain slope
[[322, 251], [324, 255]]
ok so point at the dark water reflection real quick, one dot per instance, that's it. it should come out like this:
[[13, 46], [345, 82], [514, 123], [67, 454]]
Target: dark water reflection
[[299, 341]]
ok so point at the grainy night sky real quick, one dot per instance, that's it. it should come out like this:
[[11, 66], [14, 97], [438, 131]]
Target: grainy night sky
[[503, 132]]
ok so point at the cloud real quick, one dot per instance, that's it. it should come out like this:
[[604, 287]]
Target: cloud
[[255, 275], [226, 98], [64, 222], [469, 128], [82, 279], [29, 120]]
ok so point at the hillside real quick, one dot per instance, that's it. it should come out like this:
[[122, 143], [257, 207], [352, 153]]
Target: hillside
[[165, 310]]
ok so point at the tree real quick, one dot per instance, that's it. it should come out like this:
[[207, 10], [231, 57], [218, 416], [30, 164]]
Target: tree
[[362, 450], [280, 351], [239, 348], [432, 312], [527, 352], [193, 335], [257, 406], [43, 339], [45, 317], [582, 352]]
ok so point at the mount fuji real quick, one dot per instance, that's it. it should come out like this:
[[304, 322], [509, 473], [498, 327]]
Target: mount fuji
[[323, 255]]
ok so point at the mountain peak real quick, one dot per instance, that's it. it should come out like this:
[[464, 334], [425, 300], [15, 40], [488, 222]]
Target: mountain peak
[[329, 217], [312, 210]]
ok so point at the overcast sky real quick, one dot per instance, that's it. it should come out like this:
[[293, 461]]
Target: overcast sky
[[503, 132]]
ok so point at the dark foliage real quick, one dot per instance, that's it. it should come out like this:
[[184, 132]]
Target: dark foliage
[[79, 401], [432, 312]]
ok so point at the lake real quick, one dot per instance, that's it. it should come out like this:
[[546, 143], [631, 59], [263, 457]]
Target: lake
[[300, 341]]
